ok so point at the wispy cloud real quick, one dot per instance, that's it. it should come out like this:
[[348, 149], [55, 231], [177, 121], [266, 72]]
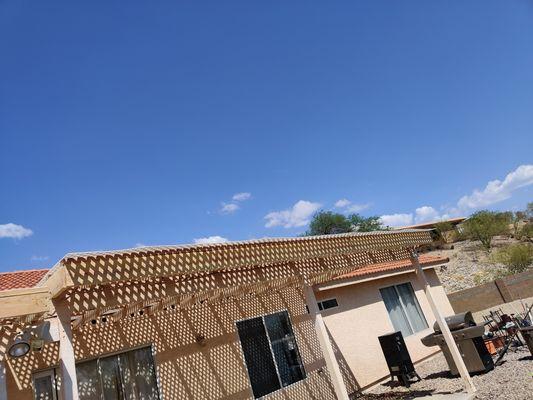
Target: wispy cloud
[[39, 258], [298, 215], [14, 231], [342, 203], [494, 192], [229, 208], [347, 206], [242, 196], [140, 245], [497, 190], [210, 240]]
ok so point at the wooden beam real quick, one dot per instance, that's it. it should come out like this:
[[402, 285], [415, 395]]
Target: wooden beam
[[58, 280], [20, 302], [67, 361], [325, 344], [450, 342]]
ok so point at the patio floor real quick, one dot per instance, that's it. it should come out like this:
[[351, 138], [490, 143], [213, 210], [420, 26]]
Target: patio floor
[[512, 380]]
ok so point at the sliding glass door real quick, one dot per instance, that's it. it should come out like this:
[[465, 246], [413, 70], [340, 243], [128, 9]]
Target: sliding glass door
[[125, 376]]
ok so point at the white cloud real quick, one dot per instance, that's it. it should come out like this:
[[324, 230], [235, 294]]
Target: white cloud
[[229, 208], [140, 245], [355, 208], [39, 258], [14, 231], [426, 214], [242, 196], [210, 240], [497, 190], [396, 220], [298, 215], [350, 207], [342, 203]]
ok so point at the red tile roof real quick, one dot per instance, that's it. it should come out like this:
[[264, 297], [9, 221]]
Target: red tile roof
[[393, 266], [21, 279]]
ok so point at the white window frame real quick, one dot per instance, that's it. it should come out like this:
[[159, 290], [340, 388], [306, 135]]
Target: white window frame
[[51, 373], [404, 309]]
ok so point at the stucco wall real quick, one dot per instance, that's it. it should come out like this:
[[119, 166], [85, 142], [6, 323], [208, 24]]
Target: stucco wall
[[185, 369], [361, 317]]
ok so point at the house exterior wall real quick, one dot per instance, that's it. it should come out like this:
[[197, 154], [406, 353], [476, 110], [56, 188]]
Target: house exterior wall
[[361, 317], [186, 369]]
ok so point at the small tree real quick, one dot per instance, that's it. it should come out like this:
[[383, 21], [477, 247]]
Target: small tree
[[327, 222], [365, 224], [516, 257], [484, 225]]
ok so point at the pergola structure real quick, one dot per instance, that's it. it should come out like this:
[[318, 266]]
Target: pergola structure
[[108, 287]]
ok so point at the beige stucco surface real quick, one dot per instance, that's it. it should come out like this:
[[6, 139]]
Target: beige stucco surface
[[361, 317]]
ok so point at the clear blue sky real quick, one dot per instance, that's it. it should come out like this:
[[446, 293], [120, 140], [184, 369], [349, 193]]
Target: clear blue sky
[[132, 123]]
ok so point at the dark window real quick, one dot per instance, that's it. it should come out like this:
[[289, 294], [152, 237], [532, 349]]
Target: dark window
[[271, 353], [325, 304]]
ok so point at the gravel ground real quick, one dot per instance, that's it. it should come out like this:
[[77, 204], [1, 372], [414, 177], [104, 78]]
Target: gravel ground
[[513, 380]]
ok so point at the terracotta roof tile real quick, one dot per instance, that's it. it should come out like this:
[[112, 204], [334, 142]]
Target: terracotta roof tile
[[425, 261], [21, 279]]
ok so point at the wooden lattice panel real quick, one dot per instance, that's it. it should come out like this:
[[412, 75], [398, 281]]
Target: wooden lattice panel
[[89, 269]]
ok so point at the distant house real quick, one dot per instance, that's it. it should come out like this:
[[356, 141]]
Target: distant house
[[440, 237], [431, 225], [279, 318]]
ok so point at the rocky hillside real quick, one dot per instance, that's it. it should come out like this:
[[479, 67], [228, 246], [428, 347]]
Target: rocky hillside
[[470, 264]]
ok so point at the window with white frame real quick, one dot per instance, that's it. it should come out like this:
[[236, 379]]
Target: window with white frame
[[403, 308], [270, 352], [125, 376]]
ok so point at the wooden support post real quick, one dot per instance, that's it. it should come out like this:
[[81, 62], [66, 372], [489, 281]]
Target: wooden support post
[[67, 361], [325, 344], [3, 380], [450, 342]]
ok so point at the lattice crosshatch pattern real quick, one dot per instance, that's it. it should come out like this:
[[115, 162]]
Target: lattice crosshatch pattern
[[184, 302]]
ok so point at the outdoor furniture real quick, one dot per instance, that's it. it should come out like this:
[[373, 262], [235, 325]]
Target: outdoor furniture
[[494, 343], [527, 334]]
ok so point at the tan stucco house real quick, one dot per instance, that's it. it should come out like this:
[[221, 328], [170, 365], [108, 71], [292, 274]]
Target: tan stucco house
[[290, 318]]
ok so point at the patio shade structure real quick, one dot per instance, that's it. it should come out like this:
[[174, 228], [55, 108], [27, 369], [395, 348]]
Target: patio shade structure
[[111, 286]]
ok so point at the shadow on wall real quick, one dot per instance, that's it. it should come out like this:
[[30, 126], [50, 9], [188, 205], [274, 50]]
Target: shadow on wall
[[189, 368]]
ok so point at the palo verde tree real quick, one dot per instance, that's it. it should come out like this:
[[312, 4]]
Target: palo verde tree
[[328, 222], [365, 224], [484, 225]]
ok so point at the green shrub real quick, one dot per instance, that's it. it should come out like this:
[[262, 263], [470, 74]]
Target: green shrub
[[484, 225], [526, 232], [516, 257]]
